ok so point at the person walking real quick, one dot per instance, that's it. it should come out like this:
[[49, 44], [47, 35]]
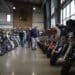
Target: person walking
[[28, 39], [25, 35], [21, 36], [34, 37]]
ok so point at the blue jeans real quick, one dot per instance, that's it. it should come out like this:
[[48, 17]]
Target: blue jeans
[[34, 43]]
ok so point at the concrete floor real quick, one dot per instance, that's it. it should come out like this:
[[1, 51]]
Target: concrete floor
[[24, 61]]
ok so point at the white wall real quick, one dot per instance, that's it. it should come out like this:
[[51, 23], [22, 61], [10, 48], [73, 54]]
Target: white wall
[[38, 19]]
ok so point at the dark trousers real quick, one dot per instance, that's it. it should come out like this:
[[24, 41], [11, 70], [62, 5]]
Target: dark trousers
[[22, 42]]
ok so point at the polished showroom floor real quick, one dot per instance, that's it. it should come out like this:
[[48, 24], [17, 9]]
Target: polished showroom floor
[[24, 61]]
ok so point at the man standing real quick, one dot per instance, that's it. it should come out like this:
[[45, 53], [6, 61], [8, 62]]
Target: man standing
[[28, 39], [34, 36], [21, 35], [25, 35]]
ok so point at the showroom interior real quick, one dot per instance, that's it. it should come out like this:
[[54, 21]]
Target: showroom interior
[[37, 37]]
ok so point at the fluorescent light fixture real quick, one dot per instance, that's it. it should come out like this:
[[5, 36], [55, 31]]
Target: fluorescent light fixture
[[34, 8], [8, 18], [14, 8]]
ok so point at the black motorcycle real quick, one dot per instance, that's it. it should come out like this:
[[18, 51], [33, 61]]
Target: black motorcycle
[[70, 54], [69, 58]]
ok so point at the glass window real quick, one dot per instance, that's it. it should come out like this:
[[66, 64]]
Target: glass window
[[62, 1], [52, 10], [68, 11], [52, 7], [61, 16], [73, 17], [68, 18], [8, 18], [64, 22], [64, 13], [52, 22], [72, 8]]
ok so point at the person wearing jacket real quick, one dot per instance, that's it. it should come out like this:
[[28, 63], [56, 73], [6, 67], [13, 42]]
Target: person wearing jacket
[[28, 38], [34, 37], [21, 36]]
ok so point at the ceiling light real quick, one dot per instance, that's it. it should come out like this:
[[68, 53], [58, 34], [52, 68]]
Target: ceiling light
[[34, 8], [14, 8]]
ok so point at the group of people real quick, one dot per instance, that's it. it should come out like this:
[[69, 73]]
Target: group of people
[[29, 37]]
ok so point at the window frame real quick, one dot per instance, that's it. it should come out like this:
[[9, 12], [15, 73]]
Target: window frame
[[64, 17]]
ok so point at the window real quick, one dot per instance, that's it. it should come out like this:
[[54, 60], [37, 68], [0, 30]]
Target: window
[[62, 1], [73, 17], [53, 22], [64, 13], [68, 12], [61, 16], [52, 10], [52, 7], [68, 18], [72, 8], [64, 22], [8, 18]]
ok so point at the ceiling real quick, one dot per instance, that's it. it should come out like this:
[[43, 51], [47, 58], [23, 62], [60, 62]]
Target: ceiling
[[6, 5], [26, 1]]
